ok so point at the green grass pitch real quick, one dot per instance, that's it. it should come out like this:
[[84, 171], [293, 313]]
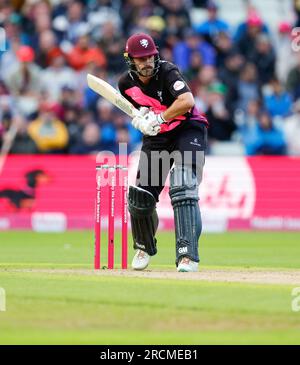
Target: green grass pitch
[[53, 296]]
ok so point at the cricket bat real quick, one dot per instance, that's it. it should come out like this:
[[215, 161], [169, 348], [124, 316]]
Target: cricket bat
[[111, 94]]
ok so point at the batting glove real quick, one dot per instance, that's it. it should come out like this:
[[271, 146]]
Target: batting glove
[[144, 110], [148, 124]]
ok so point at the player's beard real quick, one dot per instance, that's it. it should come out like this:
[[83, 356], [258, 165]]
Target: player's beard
[[146, 71]]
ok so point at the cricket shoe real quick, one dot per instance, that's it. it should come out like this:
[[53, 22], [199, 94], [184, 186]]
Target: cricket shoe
[[140, 260], [187, 265]]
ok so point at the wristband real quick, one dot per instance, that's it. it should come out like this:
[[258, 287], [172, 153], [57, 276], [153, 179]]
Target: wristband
[[161, 119]]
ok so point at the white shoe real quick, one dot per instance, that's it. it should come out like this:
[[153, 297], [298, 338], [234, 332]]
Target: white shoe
[[140, 260], [187, 265]]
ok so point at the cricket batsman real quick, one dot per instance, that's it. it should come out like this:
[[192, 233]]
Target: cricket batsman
[[174, 140]]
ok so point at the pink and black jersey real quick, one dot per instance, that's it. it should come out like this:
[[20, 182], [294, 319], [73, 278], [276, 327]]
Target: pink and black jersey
[[159, 94]]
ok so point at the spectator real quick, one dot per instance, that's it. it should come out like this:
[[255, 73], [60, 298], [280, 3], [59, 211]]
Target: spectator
[[263, 57], [247, 34], [248, 87], [76, 19], [207, 75], [221, 125], [36, 17], [193, 43], [211, 28], [253, 18], [49, 133], [194, 67], [111, 42], [176, 15], [83, 53], [41, 23], [47, 48], [69, 98], [278, 102], [291, 127], [8, 60], [132, 11], [89, 35], [58, 75], [254, 108], [90, 142], [155, 26], [224, 47], [68, 24], [24, 81], [105, 118], [75, 119], [229, 74], [263, 138], [23, 143], [12, 26], [170, 36], [102, 11]]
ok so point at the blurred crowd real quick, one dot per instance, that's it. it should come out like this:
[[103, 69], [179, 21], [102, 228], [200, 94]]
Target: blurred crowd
[[245, 79]]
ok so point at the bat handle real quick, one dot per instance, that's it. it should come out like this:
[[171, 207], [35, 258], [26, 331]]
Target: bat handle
[[142, 111], [136, 113]]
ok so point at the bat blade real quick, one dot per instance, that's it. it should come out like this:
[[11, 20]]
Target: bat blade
[[109, 93]]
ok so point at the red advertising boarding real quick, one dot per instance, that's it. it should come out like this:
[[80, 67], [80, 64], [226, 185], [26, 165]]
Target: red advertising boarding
[[54, 193]]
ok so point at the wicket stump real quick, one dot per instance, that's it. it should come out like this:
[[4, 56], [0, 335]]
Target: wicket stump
[[117, 179]]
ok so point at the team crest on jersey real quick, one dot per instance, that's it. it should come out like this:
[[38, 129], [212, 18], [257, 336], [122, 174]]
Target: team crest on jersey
[[159, 94], [178, 85], [144, 43]]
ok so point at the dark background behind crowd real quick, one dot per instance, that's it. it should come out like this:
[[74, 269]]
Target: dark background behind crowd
[[245, 76]]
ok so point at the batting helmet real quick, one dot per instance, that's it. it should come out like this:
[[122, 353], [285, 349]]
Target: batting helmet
[[141, 45]]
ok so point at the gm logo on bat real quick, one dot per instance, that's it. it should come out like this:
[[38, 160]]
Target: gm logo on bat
[[2, 300]]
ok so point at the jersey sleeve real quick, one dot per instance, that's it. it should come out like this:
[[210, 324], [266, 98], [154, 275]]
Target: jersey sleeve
[[175, 83], [123, 86]]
